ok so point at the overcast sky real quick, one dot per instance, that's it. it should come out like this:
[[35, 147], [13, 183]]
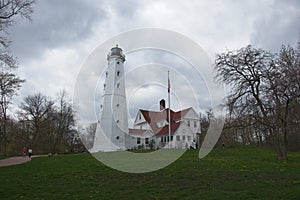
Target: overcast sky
[[53, 46]]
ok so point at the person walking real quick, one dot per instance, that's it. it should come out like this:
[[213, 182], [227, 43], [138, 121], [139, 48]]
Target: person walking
[[24, 150], [29, 153]]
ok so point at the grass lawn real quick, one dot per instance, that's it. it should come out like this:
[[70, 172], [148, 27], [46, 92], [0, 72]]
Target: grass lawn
[[230, 173]]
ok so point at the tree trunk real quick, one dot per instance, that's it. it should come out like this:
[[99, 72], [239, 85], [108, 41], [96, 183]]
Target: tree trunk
[[280, 148]]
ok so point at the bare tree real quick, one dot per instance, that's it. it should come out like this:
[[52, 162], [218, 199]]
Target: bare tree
[[51, 124], [9, 82], [63, 121], [8, 10], [35, 111], [9, 85], [88, 134], [261, 84]]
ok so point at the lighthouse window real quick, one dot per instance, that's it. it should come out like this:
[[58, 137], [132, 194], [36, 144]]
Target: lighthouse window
[[118, 105], [118, 73], [118, 85], [118, 62], [118, 121], [104, 86], [106, 74]]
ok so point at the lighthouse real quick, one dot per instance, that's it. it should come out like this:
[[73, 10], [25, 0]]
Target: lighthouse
[[112, 128]]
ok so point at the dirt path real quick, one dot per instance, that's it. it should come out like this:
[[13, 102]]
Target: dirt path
[[16, 160]]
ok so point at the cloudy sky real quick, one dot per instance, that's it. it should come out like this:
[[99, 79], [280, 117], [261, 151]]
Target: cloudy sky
[[52, 48]]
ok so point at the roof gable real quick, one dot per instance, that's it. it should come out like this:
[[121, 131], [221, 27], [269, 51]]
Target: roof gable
[[190, 114], [154, 118], [140, 132], [139, 118], [180, 114]]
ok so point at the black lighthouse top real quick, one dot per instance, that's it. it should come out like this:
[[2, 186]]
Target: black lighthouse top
[[116, 52]]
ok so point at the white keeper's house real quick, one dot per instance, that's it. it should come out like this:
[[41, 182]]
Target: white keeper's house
[[151, 128]]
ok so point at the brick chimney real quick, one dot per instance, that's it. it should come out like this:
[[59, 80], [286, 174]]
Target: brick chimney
[[162, 104]]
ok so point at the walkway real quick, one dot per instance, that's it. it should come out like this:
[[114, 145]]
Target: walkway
[[16, 160]]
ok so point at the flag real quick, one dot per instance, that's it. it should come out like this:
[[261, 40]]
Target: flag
[[169, 86]]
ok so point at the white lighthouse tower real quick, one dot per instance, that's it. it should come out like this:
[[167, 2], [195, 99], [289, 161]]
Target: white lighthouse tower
[[112, 130]]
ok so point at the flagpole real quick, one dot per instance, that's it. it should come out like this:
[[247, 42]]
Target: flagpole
[[169, 111]]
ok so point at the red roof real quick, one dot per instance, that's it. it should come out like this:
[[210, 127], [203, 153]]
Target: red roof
[[137, 131], [178, 115], [153, 117], [165, 129]]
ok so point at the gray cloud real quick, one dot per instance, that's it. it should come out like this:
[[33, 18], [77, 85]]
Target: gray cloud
[[278, 26], [126, 8], [53, 46], [55, 24]]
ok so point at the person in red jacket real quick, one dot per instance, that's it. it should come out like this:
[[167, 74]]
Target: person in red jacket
[[24, 150]]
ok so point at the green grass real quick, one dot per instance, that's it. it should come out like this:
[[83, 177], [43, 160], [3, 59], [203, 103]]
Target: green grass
[[230, 173]]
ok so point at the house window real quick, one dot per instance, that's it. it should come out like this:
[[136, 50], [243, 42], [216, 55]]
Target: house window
[[140, 116], [183, 137], [188, 123], [138, 140], [195, 124], [118, 73], [189, 138], [147, 141], [161, 139], [177, 137]]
